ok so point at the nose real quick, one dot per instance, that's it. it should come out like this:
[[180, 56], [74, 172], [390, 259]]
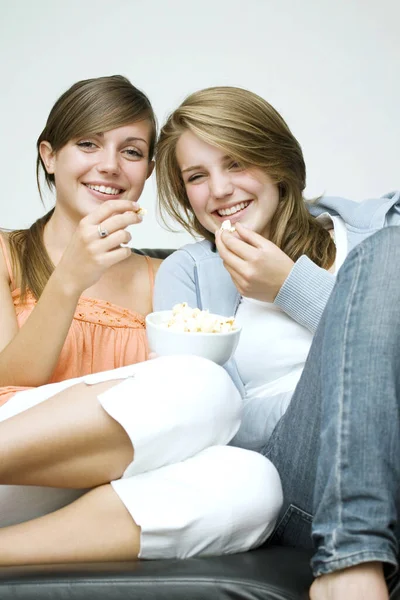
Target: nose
[[220, 184], [108, 161]]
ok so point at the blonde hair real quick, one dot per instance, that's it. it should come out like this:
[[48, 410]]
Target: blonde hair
[[253, 133], [88, 107]]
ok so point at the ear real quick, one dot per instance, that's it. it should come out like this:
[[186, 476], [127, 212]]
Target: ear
[[48, 156], [150, 169]]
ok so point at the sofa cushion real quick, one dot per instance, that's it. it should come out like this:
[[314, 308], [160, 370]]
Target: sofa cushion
[[272, 573]]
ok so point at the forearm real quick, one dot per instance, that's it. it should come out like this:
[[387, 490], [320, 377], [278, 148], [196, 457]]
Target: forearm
[[31, 356], [305, 293]]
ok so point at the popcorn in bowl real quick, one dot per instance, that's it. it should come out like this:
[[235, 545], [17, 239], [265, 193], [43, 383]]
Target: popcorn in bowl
[[186, 330], [192, 320]]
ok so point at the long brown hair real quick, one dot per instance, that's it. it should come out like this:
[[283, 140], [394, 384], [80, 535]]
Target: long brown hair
[[252, 132], [89, 106]]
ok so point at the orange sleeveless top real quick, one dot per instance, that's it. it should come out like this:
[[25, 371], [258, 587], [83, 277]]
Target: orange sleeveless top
[[102, 335]]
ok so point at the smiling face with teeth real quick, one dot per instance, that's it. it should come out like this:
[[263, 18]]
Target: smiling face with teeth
[[90, 170], [219, 189]]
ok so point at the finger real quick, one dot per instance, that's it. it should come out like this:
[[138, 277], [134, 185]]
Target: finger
[[120, 221], [232, 262], [109, 208], [114, 240], [223, 251], [249, 236], [116, 255], [237, 246], [237, 278]]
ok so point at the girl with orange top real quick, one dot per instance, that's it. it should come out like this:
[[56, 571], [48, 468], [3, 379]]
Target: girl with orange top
[[105, 455]]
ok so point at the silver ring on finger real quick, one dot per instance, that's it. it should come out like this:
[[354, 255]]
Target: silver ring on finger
[[102, 232]]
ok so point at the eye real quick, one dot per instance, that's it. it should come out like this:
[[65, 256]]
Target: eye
[[235, 166], [195, 177], [133, 153], [86, 145]]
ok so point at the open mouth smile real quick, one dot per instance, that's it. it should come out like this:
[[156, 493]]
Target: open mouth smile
[[233, 210], [105, 190]]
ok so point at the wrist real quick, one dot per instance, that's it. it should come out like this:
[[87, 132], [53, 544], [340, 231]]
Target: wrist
[[283, 275], [64, 286]]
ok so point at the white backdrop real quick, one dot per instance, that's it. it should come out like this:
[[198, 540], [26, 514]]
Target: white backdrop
[[331, 68]]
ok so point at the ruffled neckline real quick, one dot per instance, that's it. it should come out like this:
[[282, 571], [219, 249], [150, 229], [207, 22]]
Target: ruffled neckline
[[97, 311]]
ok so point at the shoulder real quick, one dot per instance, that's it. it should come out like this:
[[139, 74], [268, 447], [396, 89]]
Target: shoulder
[[144, 262], [155, 264], [4, 256], [195, 274], [5, 238], [177, 262], [180, 267], [191, 254], [369, 214], [203, 250]]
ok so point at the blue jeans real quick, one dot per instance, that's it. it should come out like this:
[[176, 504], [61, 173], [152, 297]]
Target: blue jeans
[[337, 448]]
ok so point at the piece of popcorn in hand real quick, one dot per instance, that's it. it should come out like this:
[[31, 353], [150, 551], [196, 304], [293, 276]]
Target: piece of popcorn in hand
[[142, 212], [226, 226]]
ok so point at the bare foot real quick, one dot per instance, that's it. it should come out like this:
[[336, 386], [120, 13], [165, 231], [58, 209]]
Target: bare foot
[[362, 582]]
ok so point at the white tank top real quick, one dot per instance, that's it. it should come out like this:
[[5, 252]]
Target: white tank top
[[273, 347]]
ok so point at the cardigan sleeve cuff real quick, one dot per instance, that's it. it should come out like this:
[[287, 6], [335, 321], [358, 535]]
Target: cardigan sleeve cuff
[[305, 292]]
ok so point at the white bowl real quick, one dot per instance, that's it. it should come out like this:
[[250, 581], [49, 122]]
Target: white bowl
[[218, 347]]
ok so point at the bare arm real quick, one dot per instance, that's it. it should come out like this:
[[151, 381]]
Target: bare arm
[[29, 355]]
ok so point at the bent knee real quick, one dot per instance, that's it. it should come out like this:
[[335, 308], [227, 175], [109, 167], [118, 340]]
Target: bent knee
[[222, 501], [251, 490]]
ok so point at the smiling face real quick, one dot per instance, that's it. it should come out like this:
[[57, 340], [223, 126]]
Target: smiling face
[[90, 170], [219, 189]]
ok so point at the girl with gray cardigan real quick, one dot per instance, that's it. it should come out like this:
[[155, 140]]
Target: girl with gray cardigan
[[318, 361]]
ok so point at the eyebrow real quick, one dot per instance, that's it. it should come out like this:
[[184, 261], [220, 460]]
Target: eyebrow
[[195, 167], [128, 139], [192, 168], [135, 139]]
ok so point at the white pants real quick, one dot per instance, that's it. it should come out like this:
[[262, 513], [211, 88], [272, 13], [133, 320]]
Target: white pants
[[189, 492]]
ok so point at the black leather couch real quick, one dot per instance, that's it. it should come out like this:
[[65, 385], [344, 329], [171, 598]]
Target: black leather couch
[[264, 574], [268, 573], [271, 573]]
